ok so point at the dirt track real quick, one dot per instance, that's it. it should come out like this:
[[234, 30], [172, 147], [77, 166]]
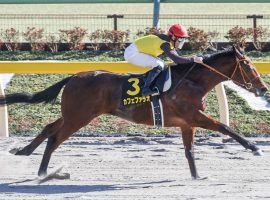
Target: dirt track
[[138, 168]]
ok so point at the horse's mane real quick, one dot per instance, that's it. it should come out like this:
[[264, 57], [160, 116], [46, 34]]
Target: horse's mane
[[207, 58]]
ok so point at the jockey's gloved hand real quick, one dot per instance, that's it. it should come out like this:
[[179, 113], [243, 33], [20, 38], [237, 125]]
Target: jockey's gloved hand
[[198, 59]]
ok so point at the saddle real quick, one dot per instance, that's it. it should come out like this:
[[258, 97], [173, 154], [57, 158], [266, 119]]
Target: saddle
[[131, 93]]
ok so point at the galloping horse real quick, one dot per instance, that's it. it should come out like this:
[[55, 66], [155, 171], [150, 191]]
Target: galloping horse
[[89, 94]]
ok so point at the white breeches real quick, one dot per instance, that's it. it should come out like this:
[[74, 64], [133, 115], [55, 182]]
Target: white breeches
[[133, 56]]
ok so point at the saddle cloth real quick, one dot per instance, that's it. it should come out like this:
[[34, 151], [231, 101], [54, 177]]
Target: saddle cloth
[[131, 92], [131, 89]]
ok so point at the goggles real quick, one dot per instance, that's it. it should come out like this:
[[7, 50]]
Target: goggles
[[181, 42], [181, 39]]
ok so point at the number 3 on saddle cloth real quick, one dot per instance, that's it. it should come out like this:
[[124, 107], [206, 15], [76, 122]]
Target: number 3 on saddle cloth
[[131, 93]]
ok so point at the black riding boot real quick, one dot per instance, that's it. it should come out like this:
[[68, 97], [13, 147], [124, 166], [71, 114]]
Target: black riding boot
[[149, 80]]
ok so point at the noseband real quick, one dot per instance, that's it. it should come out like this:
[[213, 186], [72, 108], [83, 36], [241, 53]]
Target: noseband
[[247, 81]]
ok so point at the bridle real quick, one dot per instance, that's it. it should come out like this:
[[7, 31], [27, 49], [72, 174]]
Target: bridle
[[246, 79]]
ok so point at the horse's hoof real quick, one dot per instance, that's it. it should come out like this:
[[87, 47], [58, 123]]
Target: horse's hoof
[[198, 178], [257, 152], [48, 177], [62, 176], [15, 151], [19, 151]]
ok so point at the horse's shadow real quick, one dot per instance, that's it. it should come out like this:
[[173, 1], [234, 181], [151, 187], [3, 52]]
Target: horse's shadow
[[58, 189], [54, 189]]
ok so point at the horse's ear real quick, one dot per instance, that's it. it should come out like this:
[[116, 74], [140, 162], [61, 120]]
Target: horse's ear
[[235, 47], [238, 48], [239, 51]]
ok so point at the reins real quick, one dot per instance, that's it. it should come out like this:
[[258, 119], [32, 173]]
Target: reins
[[185, 75]]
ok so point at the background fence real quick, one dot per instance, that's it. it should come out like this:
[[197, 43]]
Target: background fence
[[52, 22], [126, 1]]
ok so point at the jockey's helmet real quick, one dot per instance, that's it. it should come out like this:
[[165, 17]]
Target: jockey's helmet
[[178, 31]]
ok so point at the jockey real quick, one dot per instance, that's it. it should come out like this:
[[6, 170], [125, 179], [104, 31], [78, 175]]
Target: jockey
[[144, 52]]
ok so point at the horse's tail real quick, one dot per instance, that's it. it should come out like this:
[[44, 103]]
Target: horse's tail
[[48, 95]]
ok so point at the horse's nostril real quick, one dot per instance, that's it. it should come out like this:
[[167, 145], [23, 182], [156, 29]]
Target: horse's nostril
[[264, 89]]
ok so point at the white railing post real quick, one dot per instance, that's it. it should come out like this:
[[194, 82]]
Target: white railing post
[[3, 115], [223, 104]]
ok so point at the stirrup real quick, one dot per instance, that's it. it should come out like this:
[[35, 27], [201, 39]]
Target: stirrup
[[155, 92], [150, 92]]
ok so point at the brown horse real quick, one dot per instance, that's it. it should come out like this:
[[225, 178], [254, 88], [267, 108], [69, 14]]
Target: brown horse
[[89, 94]]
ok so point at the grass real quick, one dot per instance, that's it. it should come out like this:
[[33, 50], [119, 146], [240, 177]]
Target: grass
[[31, 119]]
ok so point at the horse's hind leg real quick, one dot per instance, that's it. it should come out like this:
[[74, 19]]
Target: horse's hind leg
[[48, 131], [53, 142], [206, 122], [50, 147]]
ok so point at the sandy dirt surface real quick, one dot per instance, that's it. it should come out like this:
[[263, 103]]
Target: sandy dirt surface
[[137, 168]]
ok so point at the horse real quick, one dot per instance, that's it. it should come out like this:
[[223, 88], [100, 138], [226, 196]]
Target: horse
[[87, 95]]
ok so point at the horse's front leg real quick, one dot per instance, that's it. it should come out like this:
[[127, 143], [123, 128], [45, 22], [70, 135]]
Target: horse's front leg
[[188, 134], [204, 121]]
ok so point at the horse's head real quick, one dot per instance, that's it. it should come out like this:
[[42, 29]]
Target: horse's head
[[246, 75]]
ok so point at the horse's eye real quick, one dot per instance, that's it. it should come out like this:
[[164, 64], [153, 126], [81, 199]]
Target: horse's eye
[[245, 62]]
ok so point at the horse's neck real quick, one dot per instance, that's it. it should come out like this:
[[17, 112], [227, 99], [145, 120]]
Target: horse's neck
[[208, 79]]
